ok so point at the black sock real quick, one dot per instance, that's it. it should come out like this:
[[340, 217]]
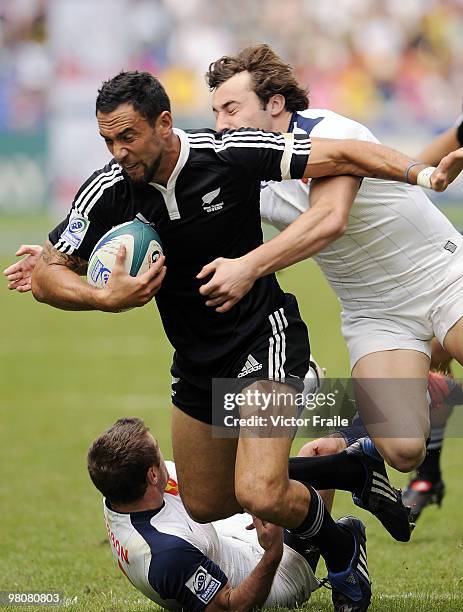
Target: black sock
[[340, 471], [430, 468], [336, 545]]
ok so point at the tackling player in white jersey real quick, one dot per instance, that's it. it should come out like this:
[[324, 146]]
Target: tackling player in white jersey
[[393, 259], [170, 558]]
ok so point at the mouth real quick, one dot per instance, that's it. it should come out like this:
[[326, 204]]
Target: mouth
[[130, 167]]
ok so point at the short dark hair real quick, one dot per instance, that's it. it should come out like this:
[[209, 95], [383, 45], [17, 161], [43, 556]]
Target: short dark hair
[[270, 75], [140, 89], [118, 461]]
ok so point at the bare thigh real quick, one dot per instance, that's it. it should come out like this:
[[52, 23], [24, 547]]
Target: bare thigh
[[262, 483], [205, 468], [390, 389], [453, 341]]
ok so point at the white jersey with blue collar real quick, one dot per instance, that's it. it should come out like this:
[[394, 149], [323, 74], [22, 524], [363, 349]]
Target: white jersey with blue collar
[[397, 243], [181, 564]]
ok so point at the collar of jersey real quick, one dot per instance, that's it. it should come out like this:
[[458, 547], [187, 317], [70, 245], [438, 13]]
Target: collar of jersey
[[143, 514], [181, 161], [292, 122]]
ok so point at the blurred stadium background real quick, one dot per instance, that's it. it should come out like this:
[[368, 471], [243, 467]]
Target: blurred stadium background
[[395, 65]]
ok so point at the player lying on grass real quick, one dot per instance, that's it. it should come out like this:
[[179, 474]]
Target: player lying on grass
[[165, 174], [176, 561], [391, 256]]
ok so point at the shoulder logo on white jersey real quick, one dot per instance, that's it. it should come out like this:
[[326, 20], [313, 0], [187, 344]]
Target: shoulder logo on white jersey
[[251, 365], [209, 198]]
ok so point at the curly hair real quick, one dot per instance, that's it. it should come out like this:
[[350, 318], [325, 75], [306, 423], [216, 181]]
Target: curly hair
[[270, 75]]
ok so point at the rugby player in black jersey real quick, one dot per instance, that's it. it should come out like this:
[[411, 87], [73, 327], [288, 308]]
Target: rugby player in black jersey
[[201, 191]]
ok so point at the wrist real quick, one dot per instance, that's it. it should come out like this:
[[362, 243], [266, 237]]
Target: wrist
[[256, 267], [272, 556], [98, 299], [412, 171]]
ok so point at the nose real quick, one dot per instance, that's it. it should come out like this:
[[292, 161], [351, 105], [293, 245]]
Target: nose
[[119, 152], [222, 123]]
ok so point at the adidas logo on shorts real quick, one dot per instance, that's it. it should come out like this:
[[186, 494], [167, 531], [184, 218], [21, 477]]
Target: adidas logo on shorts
[[251, 365]]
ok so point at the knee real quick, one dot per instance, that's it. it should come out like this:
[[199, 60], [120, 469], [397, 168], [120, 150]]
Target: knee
[[261, 498], [406, 455]]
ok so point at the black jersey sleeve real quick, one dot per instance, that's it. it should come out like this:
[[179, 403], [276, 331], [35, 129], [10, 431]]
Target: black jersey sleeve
[[94, 211], [265, 155]]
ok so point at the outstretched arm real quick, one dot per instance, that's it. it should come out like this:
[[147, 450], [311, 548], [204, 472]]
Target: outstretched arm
[[56, 281], [331, 157], [326, 219]]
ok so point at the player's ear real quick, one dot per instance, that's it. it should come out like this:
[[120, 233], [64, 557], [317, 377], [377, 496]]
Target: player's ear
[[276, 105], [152, 476], [164, 122]]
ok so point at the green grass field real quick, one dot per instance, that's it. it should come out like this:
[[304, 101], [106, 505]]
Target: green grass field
[[67, 376]]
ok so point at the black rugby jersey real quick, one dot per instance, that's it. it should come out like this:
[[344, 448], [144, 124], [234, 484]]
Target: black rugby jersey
[[209, 209]]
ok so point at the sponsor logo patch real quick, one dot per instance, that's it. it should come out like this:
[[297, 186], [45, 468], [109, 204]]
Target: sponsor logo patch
[[75, 230], [251, 365], [99, 273], [203, 585]]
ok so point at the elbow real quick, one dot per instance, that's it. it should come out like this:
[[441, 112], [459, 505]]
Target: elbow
[[335, 227]]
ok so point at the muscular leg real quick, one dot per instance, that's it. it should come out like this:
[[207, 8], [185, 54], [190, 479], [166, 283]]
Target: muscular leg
[[262, 483], [440, 358], [205, 469], [390, 390], [453, 341]]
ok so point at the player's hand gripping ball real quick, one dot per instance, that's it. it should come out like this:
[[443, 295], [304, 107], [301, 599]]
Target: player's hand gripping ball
[[142, 244]]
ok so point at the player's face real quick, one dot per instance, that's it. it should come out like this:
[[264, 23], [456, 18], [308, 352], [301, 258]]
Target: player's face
[[235, 105], [135, 144]]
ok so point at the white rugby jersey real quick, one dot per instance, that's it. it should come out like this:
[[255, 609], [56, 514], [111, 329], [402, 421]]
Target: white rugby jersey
[[397, 243], [179, 563]]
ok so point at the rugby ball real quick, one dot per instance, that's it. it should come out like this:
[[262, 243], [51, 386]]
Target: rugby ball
[[143, 247]]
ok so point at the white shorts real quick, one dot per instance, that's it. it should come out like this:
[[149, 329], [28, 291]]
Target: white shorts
[[294, 580], [408, 325]]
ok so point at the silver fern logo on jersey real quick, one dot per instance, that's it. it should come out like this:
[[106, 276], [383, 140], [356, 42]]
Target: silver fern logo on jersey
[[208, 200]]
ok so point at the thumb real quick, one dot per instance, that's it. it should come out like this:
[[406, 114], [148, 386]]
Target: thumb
[[25, 249], [207, 270]]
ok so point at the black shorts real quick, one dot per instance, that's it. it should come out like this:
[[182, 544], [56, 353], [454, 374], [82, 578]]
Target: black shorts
[[279, 350]]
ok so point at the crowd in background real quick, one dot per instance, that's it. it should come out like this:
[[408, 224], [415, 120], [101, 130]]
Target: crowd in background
[[388, 62]]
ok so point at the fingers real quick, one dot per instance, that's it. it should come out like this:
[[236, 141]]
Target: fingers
[[154, 269], [208, 269], [121, 255], [226, 306], [13, 273], [28, 249]]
